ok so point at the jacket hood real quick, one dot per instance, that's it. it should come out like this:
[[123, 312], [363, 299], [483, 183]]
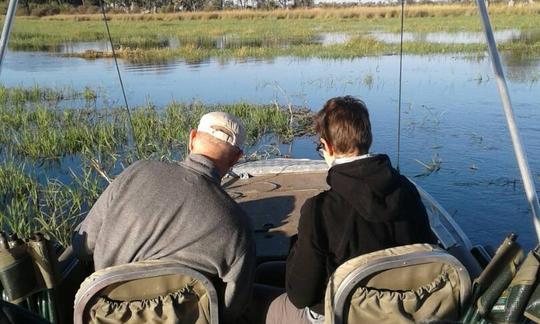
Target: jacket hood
[[371, 186]]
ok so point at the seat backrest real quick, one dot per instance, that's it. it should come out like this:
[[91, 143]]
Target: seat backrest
[[406, 284], [156, 291]]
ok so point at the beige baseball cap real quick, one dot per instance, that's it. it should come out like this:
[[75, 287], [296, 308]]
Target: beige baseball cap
[[223, 126]]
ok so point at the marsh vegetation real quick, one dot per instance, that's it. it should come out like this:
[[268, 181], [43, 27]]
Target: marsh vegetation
[[61, 146], [61, 132], [251, 33]]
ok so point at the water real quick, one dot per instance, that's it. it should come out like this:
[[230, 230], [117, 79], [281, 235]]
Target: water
[[451, 112], [501, 36]]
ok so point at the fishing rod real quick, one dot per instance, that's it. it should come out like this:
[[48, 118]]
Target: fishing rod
[[133, 138], [6, 31], [521, 156]]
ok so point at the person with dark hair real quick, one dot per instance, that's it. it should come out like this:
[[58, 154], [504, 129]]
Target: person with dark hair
[[369, 207]]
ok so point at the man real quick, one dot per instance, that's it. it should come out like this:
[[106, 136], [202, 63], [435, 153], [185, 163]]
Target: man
[[157, 210], [369, 207]]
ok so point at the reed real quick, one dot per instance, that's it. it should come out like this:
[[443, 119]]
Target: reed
[[40, 138]]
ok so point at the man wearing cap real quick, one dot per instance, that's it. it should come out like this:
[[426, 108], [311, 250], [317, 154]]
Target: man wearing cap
[[158, 210]]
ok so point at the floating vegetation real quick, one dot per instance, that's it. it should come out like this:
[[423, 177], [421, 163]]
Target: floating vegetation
[[21, 95], [84, 148], [368, 80], [498, 182], [430, 167]]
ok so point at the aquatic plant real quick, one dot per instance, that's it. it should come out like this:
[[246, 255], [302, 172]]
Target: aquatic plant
[[430, 167], [85, 148], [368, 80]]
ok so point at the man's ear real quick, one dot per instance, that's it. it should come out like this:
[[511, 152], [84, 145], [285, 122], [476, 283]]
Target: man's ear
[[192, 135]]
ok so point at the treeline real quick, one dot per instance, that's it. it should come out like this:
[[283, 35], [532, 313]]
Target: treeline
[[52, 7]]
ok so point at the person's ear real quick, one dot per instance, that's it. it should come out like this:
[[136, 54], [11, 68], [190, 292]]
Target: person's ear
[[328, 147], [192, 135]]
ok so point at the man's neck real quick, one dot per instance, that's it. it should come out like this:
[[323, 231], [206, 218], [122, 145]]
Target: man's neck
[[218, 163]]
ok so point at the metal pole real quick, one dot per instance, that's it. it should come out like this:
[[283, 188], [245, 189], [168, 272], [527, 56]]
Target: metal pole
[[8, 23], [521, 156]]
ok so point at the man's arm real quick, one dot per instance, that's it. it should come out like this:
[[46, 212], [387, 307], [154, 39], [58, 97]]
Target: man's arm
[[239, 287], [85, 235], [240, 276], [306, 264]]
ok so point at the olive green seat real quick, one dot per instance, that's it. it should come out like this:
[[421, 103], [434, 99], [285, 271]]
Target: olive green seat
[[155, 291], [407, 284]]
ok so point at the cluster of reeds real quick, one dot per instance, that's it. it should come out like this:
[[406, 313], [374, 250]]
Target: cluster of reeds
[[57, 157], [353, 48], [28, 205]]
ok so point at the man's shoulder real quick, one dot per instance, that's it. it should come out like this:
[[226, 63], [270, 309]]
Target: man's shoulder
[[143, 166]]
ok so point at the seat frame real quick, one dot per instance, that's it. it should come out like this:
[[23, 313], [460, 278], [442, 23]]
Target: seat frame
[[350, 283], [142, 271]]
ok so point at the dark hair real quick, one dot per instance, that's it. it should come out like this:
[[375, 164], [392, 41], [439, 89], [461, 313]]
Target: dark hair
[[344, 123]]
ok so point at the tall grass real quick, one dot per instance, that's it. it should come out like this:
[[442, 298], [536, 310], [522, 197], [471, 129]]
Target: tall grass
[[85, 147]]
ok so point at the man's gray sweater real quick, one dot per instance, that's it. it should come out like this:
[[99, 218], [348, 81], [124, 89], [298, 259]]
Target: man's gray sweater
[[158, 210]]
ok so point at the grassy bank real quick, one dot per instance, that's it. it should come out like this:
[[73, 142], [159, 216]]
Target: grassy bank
[[56, 160], [238, 34]]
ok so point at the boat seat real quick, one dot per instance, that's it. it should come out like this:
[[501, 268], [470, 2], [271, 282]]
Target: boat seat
[[407, 284], [154, 291]]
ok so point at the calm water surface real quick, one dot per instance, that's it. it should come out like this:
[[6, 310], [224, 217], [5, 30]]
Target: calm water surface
[[451, 114]]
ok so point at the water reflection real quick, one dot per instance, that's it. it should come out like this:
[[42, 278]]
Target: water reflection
[[521, 67], [333, 38], [229, 41], [501, 36], [71, 48]]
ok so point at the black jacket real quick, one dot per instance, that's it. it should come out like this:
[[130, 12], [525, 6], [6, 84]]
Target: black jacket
[[369, 207]]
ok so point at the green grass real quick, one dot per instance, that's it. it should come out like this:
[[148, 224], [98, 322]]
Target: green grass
[[40, 136], [270, 34], [51, 207]]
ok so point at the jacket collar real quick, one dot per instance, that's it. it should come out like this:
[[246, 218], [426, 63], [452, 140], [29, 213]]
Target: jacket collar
[[204, 166]]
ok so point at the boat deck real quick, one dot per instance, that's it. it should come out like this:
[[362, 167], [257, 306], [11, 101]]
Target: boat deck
[[272, 194]]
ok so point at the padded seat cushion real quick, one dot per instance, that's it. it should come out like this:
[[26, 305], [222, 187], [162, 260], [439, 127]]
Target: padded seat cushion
[[407, 293], [437, 300]]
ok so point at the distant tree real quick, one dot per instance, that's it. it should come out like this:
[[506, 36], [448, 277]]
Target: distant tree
[[303, 3]]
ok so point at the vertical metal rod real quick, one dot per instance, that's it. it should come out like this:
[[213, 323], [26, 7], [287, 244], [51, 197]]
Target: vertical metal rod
[[8, 23], [400, 83], [521, 156]]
